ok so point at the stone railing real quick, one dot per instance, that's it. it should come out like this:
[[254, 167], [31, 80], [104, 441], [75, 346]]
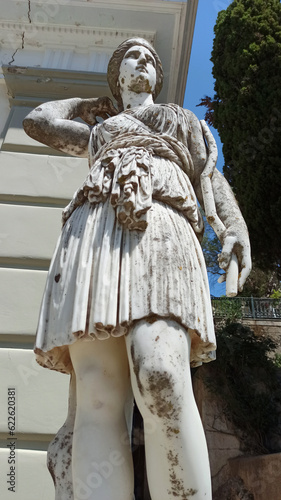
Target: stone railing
[[246, 307]]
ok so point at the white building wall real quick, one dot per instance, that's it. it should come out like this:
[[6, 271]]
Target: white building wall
[[53, 50]]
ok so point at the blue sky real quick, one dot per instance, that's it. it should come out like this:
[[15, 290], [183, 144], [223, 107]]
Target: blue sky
[[200, 81]]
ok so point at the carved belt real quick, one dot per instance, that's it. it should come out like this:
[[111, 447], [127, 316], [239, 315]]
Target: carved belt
[[122, 170]]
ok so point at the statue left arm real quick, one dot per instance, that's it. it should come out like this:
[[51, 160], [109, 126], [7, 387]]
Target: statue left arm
[[235, 237]]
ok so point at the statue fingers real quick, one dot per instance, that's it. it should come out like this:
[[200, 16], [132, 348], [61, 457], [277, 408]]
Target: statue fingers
[[112, 111], [89, 118], [224, 259], [104, 115], [245, 271], [227, 249], [96, 106], [106, 106], [222, 278]]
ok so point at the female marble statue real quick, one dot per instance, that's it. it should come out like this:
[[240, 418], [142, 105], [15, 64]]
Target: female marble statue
[[127, 302]]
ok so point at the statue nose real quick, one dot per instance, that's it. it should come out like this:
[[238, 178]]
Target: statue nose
[[142, 59]]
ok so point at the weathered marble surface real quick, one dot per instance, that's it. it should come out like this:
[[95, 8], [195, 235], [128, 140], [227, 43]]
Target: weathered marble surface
[[129, 264], [59, 458]]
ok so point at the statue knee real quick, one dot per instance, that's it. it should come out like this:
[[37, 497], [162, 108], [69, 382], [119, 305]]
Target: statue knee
[[159, 353], [159, 390]]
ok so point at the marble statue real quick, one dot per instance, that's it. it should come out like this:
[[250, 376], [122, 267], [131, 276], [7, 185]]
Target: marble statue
[[127, 307]]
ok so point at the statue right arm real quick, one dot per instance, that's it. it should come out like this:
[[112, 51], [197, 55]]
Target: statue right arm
[[232, 233], [52, 123]]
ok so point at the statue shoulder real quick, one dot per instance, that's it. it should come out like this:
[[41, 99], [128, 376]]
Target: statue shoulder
[[192, 118]]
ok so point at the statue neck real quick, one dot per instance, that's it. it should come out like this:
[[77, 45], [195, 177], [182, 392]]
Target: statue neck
[[133, 100]]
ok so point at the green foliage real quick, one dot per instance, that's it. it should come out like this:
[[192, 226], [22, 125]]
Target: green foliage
[[247, 381], [277, 360], [227, 308], [261, 282], [276, 294], [246, 112]]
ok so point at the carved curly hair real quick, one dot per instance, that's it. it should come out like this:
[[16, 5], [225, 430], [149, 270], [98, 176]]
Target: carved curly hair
[[115, 62]]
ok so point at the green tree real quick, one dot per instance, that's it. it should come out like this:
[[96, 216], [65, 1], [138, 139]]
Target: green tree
[[246, 110], [211, 248], [261, 282]]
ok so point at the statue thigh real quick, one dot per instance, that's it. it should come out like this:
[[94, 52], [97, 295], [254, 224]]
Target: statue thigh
[[159, 354]]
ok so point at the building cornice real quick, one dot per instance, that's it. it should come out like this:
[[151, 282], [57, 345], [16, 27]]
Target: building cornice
[[80, 35], [32, 86], [37, 35]]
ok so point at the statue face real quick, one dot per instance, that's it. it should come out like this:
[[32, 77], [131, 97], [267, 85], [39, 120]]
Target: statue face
[[138, 70]]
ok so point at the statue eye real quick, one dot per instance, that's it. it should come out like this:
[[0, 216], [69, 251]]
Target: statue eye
[[132, 55], [151, 60]]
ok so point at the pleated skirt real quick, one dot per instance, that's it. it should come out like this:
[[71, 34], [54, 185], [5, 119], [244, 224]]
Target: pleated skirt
[[104, 277]]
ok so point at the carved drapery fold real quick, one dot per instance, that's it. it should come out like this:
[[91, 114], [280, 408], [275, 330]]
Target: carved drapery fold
[[123, 169]]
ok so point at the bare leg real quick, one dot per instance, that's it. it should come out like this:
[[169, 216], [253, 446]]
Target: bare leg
[[176, 451], [59, 455], [102, 464]]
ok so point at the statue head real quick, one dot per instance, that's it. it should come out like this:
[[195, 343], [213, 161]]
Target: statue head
[[115, 63]]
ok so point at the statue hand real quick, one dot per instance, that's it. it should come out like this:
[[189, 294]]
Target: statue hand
[[89, 109], [236, 243]]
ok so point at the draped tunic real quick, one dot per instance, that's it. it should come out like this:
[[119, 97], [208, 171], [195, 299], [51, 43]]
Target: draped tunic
[[129, 246]]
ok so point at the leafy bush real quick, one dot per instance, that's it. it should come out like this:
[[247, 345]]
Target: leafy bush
[[227, 308], [247, 381], [276, 294]]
